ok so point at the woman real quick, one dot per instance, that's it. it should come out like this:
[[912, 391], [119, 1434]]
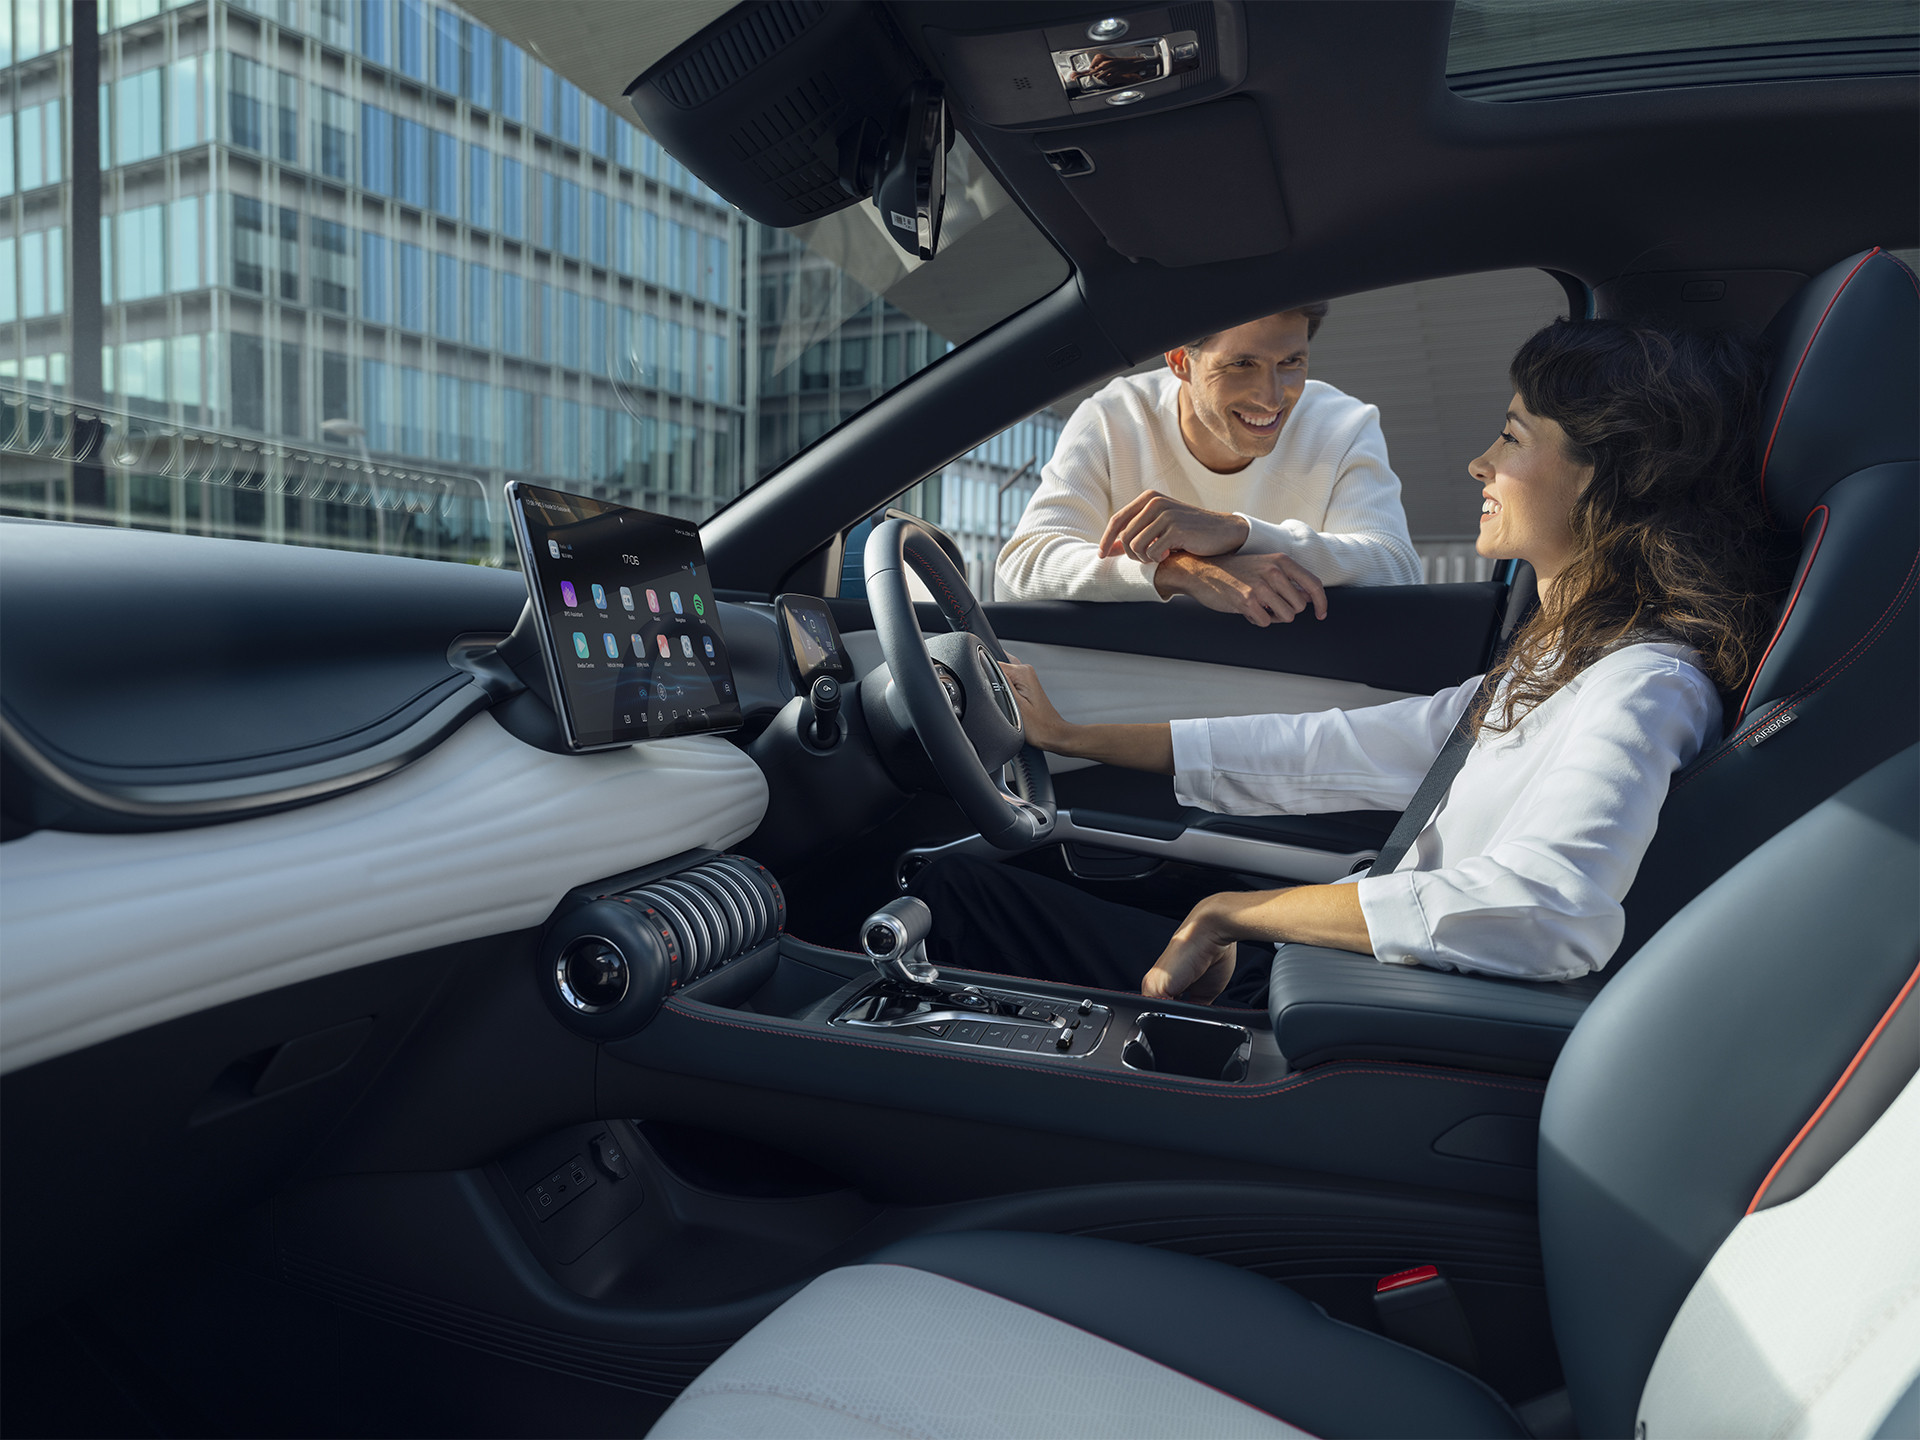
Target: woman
[[1624, 476]]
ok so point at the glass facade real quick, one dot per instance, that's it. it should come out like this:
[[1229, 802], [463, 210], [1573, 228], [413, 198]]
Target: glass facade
[[374, 230]]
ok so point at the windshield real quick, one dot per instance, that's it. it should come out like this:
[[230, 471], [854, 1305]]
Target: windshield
[[359, 264]]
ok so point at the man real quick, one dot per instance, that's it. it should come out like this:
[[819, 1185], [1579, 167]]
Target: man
[[1229, 476]]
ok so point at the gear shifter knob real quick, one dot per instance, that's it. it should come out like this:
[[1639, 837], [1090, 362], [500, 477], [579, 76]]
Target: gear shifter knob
[[894, 937]]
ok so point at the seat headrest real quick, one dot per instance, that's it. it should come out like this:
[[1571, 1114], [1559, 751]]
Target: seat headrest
[[1845, 389]]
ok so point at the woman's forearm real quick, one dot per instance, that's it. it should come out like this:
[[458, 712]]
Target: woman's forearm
[[1137, 747], [1327, 915]]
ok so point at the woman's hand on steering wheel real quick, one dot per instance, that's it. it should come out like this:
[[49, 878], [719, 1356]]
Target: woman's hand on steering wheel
[[1045, 727]]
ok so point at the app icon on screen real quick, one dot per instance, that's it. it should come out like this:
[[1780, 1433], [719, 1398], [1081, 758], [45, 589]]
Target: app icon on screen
[[639, 648], [653, 601], [674, 595], [708, 642], [600, 597], [568, 595], [686, 646], [626, 598], [666, 650], [699, 605], [613, 645], [580, 647], [553, 548]]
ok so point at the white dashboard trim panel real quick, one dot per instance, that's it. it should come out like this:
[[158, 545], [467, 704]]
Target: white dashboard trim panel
[[103, 935]]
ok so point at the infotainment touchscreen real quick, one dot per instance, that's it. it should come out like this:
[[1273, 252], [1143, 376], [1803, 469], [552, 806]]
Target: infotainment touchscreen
[[626, 617]]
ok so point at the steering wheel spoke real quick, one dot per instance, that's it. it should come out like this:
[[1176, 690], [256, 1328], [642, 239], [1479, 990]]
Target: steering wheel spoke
[[953, 691]]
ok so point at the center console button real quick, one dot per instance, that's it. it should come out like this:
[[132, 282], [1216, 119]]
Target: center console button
[[1026, 1037], [996, 1035], [966, 1031], [937, 1028]]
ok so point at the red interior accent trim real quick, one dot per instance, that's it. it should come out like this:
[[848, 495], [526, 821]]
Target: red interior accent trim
[[1407, 1277], [1774, 434], [1787, 614], [1834, 1093]]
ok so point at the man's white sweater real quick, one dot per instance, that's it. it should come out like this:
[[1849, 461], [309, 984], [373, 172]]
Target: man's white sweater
[[1325, 496]]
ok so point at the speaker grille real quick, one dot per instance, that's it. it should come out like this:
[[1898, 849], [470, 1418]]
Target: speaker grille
[[727, 58]]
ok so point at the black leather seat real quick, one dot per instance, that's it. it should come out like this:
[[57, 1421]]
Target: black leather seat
[[1837, 690], [1728, 1151]]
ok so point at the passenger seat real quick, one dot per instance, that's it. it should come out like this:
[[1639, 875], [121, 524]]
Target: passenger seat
[[1729, 1155]]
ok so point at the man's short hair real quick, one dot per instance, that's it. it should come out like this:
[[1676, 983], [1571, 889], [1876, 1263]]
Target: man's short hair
[[1315, 311]]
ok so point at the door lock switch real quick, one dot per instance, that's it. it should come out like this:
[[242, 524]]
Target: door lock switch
[[611, 1159]]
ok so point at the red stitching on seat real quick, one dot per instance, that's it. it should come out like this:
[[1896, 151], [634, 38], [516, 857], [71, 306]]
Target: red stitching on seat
[[1767, 458], [1825, 514], [1229, 1091], [1902, 593], [1834, 1093]]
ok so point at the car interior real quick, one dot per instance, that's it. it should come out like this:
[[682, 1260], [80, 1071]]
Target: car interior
[[413, 1061]]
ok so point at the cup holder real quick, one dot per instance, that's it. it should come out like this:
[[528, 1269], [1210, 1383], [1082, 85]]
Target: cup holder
[[1198, 1049]]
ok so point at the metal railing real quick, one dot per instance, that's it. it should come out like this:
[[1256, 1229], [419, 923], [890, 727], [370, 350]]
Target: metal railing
[[62, 459]]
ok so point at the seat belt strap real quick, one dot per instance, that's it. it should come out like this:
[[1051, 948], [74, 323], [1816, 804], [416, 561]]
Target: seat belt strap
[[1433, 789], [1439, 777]]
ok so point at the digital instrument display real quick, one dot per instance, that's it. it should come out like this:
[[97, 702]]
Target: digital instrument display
[[813, 640], [627, 619]]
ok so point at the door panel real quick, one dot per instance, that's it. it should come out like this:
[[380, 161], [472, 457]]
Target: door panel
[[1117, 663]]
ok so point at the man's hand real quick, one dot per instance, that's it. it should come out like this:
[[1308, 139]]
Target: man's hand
[[1198, 962], [1152, 526], [1264, 588]]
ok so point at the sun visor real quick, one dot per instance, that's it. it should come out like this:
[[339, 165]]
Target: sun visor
[[1183, 187], [783, 106]]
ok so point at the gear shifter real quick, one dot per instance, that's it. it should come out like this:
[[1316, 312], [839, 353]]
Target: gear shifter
[[894, 937]]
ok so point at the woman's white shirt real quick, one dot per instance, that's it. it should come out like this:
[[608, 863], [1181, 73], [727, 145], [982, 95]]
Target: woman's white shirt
[[1522, 869]]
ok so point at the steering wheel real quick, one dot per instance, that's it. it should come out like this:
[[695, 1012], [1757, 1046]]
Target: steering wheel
[[954, 694]]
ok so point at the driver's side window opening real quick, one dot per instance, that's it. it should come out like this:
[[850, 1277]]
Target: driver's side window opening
[[1432, 356]]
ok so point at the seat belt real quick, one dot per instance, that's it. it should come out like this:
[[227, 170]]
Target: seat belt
[[1433, 789], [1439, 777]]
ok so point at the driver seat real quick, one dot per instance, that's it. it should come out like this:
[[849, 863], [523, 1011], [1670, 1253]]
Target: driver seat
[[1728, 1157]]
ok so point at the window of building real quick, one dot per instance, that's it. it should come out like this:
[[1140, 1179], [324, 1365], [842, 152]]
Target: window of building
[[718, 277], [478, 73], [290, 389], [650, 351], [448, 51], [622, 236], [41, 145], [137, 130], [247, 366], [516, 429], [446, 417], [246, 103], [650, 247], [184, 268], [287, 254], [332, 267], [676, 378], [375, 279], [333, 133], [513, 199], [543, 320], [569, 243], [513, 315], [597, 337], [412, 411], [410, 163], [513, 83], [370, 23], [446, 174], [446, 297], [249, 244], [479, 187], [479, 331], [597, 128], [411, 286], [412, 51], [853, 363], [189, 99], [376, 150], [570, 329], [596, 228]]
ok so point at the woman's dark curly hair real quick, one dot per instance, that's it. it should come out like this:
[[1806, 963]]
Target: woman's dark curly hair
[[1671, 535]]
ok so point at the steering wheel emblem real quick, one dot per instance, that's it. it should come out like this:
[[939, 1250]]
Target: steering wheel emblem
[[956, 692]]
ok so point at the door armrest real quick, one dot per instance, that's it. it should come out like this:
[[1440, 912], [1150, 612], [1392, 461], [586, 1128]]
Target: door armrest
[[1336, 1005]]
